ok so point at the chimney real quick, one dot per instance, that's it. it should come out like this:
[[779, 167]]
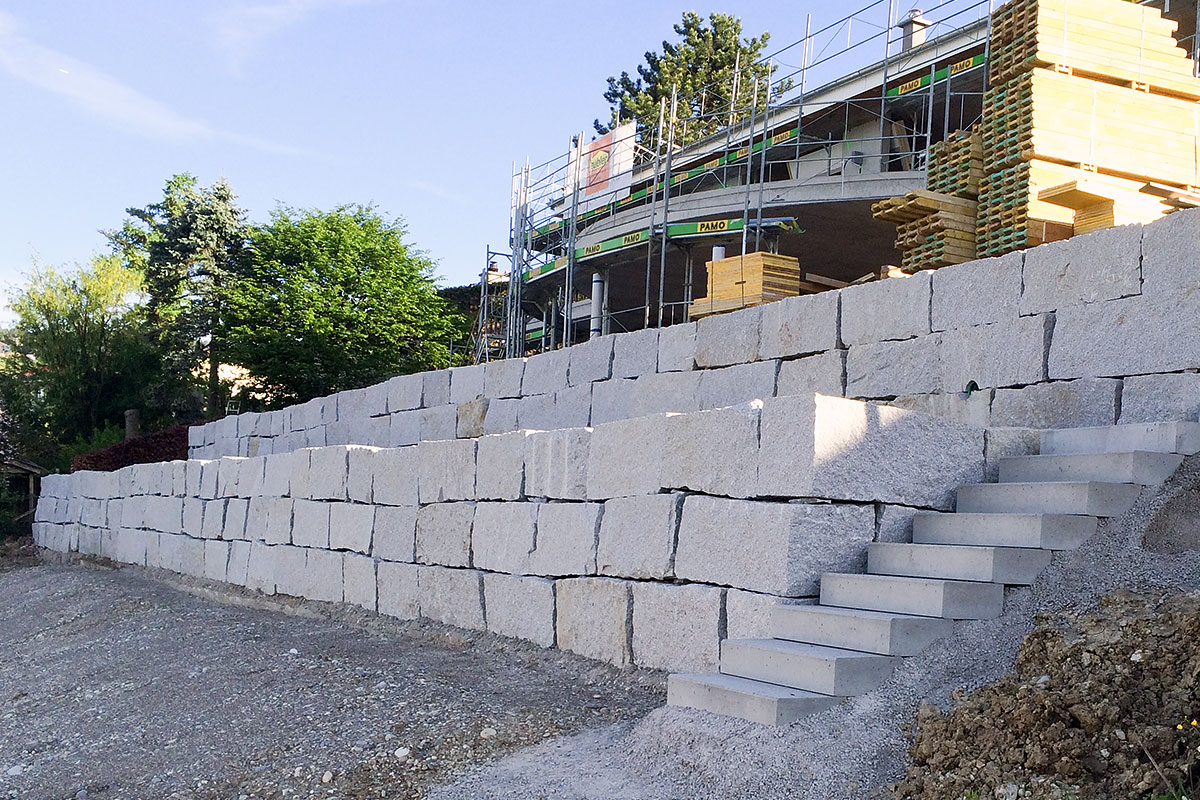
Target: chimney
[[914, 29]]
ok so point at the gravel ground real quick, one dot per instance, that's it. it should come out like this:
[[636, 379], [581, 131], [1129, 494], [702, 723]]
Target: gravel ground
[[119, 683]]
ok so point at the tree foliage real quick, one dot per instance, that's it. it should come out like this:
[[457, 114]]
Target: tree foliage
[[704, 66], [333, 300]]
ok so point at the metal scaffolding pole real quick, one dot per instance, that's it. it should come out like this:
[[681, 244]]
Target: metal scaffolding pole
[[573, 234], [749, 163], [662, 256], [762, 163], [887, 57], [662, 109]]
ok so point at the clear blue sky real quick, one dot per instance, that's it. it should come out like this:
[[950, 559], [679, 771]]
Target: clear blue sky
[[418, 107]]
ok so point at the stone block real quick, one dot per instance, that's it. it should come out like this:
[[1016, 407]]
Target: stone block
[[237, 510], [212, 520], [350, 405], [1004, 354], [351, 526], [677, 348], [440, 422], [435, 388], [725, 339], [969, 409], [721, 388], [798, 326], [315, 437], [677, 628], [1084, 403], [520, 607], [358, 578], [500, 466], [590, 361], [1171, 255], [612, 400], [279, 522], [396, 475], [466, 384], [186, 554], [130, 546], [894, 524], [178, 480], [404, 428], [91, 542], [191, 477], [1133, 336], [361, 473], [328, 472], [228, 469], [397, 590], [572, 408], [566, 539], [307, 416], [250, 476], [840, 449], [1157, 398], [823, 374], [395, 533], [289, 563], [714, 452], [196, 436], [545, 373], [887, 310], [1100, 266], [657, 393], [238, 569], [501, 416], [451, 596], [310, 523], [471, 418], [444, 534], [626, 458], [776, 548], [635, 353], [375, 400], [748, 614], [595, 618], [502, 379], [404, 393], [260, 568], [216, 560], [890, 369], [278, 471], [556, 463], [323, 580], [1009, 443], [537, 413], [503, 536], [446, 470], [978, 292], [637, 536]]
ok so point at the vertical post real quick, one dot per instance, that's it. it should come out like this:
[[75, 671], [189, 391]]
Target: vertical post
[[687, 284], [987, 49], [662, 109], [762, 164], [662, 255], [1196, 44], [887, 56], [596, 324], [749, 163], [569, 281], [607, 315]]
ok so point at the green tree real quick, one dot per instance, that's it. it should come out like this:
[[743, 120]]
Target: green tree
[[334, 300], [188, 246], [704, 65]]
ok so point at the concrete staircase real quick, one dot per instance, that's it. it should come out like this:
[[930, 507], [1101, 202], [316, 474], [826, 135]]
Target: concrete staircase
[[956, 568]]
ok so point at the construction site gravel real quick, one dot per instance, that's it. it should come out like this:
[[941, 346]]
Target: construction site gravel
[[118, 685]]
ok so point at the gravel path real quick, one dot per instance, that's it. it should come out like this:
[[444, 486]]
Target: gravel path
[[120, 684]]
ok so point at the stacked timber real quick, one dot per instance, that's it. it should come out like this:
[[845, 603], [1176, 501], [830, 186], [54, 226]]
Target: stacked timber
[[749, 280], [933, 229], [955, 166]]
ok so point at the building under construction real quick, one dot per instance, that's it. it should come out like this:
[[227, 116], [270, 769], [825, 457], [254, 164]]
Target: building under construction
[[981, 128]]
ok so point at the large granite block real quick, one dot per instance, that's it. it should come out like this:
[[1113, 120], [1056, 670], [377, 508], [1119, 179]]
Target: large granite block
[[279, 522], [444, 534], [798, 326], [395, 478], [725, 339], [261, 567], [374, 401], [395, 537], [839, 449], [566, 539], [777, 548], [1062, 404], [466, 383], [714, 452], [439, 422], [978, 292], [446, 470], [677, 628], [594, 618], [892, 309], [1171, 255], [890, 369], [322, 579], [1003, 354], [677, 348], [969, 409], [216, 560], [748, 614], [404, 428], [556, 463], [721, 388], [361, 473], [612, 400], [396, 586], [520, 607], [163, 514], [1155, 398], [351, 526], [590, 361], [237, 570], [500, 466], [503, 536], [404, 393], [627, 458], [635, 353], [130, 546], [237, 510], [451, 596], [212, 520], [536, 413], [310, 523], [657, 393], [824, 374], [359, 582], [329, 466], [1133, 336], [471, 418], [228, 469], [545, 373], [1100, 266], [501, 416], [502, 379], [435, 388]]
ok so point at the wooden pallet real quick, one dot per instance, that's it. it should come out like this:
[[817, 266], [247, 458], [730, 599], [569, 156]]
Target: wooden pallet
[[750, 280], [918, 204], [955, 166]]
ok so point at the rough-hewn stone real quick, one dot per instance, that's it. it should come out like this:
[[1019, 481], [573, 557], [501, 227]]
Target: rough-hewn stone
[[444, 534], [435, 388], [1171, 256], [566, 539], [520, 607], [635, 353], [890, 369], [451, 596], [361, 473], [466, 383], [501, 416], [351, 526], [626, 458], [725, 339], [446, 470], [310, 523], [825, 374], [797, 326], [612, 400], [897, 308], [978, 292], [397, 590], [677, 348], [594, 618], [556, 463], [1103, 265], [637, 536], [439, 422], [500, 472], [714, 452], [590, 361], [358, 573], [395, 536], [657, 393], [1154, 398], [1061, 404], [969, 409], [503, 536], [502, 379], [545, 373], [677, 627], [1133, 336], [471, 417], [328, 473], [1006, 443], [721, 388], [1003, 354]]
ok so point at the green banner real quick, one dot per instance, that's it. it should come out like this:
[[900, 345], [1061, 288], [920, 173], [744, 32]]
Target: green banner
[[908, 87]]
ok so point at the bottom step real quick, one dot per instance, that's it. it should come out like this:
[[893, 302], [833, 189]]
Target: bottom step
[[756, 701]]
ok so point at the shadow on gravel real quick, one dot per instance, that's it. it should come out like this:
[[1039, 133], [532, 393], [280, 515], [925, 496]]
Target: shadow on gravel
[[124, 683]]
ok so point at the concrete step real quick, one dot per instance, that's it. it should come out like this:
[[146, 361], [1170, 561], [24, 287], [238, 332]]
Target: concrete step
[[731, 696], [1140, 467], [926, 597], [1091, 498], [811, 667], [1047, 531], [1158, 437], [855, 629], [1009, 565]]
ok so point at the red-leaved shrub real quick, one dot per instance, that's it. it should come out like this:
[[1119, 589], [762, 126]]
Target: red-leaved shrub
[[168, 445]]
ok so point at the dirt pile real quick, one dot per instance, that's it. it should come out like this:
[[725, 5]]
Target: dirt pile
[[1101, 705]]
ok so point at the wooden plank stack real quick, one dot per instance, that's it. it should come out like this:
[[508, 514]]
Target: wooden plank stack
[[933, 229], [955, 166], [751, 280]]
